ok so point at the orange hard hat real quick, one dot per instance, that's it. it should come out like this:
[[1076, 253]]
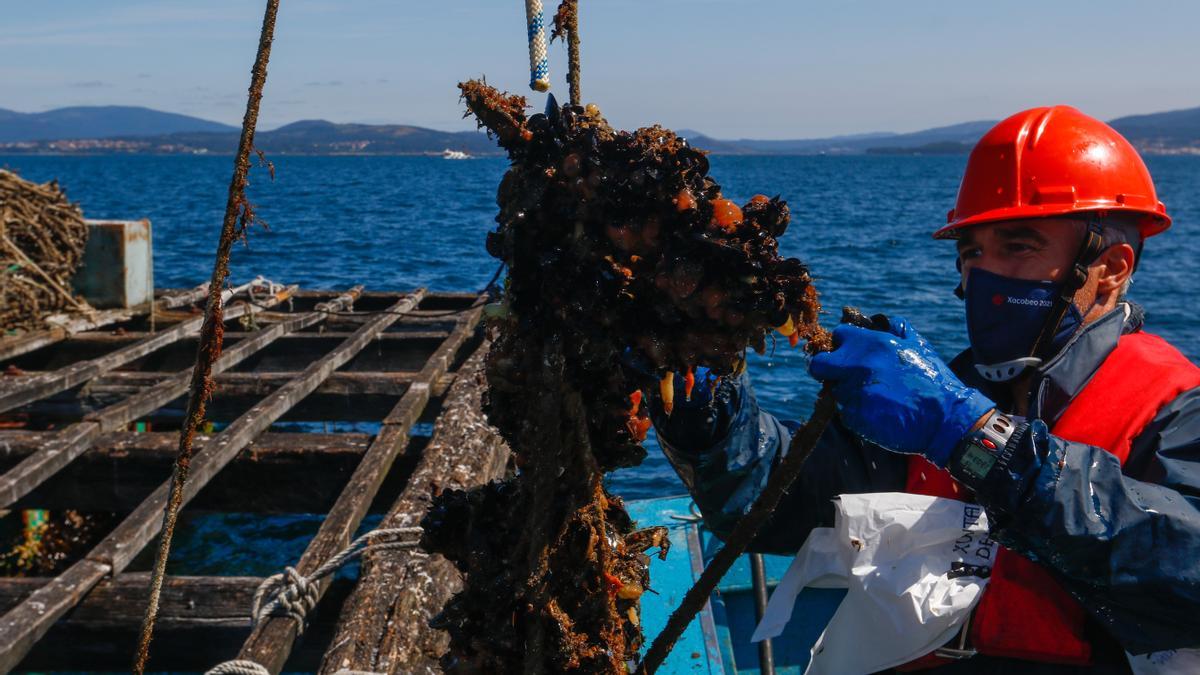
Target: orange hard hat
[[1048, 162]]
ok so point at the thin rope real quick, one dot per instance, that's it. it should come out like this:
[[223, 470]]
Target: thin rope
[[238, 667], [237, 211], [293, 594], [539, 62]]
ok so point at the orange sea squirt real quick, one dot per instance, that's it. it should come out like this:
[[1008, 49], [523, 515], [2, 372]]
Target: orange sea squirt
[[726, 214]]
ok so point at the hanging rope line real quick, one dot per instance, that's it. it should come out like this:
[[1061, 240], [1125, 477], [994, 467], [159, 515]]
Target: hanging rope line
[[237, 216], [566, 26], [539, 62]]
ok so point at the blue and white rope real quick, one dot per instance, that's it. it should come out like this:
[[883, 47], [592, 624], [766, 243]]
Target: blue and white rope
[[539, 62]]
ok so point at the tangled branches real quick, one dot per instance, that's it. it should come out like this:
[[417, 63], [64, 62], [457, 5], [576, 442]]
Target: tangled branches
[[42, 237], [621, 249]]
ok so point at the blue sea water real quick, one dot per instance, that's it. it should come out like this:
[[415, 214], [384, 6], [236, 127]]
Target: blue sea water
[[861, 223]]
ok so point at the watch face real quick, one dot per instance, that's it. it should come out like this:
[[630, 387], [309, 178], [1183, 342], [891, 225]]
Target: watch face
[[976, 461]]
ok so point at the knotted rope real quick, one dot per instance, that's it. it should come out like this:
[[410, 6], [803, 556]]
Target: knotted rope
[[238, 667], [292, 594], [539, 62]]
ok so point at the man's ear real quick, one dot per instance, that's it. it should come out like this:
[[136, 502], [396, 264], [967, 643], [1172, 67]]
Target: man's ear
[[1116, 266]]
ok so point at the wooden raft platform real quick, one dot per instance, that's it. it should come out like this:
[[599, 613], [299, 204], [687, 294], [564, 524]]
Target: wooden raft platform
[[89, 419]]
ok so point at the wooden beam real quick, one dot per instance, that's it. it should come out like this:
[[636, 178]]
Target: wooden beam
[[277, 473], [16, 392], [21, 626], [201, 621], [257, 384], [172, 300], [75, 438], [384, 623], [271, 641], [12, 346], [120, 601], [110, 340]]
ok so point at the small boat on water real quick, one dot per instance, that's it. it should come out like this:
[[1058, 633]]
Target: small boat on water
[[454, 154]]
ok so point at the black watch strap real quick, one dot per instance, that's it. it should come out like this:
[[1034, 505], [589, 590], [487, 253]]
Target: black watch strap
[[979, 450]]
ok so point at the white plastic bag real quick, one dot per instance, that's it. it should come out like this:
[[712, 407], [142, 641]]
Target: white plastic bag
[[1171, 662], [913, 566]]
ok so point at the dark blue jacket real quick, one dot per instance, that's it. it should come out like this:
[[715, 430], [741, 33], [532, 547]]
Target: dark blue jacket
[[1124, 541]]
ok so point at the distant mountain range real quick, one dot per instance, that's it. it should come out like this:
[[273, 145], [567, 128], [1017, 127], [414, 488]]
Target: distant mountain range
[[107, 129], [98, 122]]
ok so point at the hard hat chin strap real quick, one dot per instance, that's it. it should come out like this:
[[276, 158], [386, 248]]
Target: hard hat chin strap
[[1089, 250]]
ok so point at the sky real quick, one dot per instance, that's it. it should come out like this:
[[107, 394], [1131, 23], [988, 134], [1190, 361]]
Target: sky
[[727, 68]]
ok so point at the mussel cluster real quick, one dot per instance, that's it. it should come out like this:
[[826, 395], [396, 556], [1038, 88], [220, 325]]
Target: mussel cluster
[[623, 245], [626, 265]]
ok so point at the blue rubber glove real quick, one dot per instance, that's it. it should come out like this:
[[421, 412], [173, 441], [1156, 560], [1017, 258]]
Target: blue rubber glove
[[896, 392]]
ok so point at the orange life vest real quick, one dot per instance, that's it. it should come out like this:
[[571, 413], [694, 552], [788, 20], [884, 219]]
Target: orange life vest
[[1024, 612]]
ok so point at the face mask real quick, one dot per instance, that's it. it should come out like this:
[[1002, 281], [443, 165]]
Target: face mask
[[1005, 317]]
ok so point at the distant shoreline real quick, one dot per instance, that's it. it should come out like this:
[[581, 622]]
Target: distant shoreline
[[871, 152]]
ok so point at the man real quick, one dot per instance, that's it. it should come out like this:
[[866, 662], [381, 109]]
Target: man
[[1077, 431]]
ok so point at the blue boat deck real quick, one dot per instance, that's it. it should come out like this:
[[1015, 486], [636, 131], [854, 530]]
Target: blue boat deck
[[717, 642]]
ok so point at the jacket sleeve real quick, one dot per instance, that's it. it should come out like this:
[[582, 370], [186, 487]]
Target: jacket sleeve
[[724, 449], [1126, 543]]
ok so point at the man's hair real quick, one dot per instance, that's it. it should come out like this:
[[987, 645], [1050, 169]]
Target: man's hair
[[1121, 228]]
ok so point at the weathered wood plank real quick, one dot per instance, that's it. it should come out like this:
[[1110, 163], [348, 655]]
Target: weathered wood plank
[[174, 299], [120, 601], [14, 346], [75, 438], [271, 641], [23, 625], [130, 337], [133, 448], [201, 622], [383, 626], [258, 384], [277, 473], [16, 392]]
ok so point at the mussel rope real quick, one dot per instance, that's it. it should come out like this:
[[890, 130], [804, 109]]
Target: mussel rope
[[539, 63], [571, 26], [237, 211]]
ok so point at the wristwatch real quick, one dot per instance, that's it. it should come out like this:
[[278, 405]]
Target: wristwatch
[[980, 449]]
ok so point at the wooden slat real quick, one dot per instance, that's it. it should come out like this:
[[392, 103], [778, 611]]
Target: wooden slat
[[201, 622], [277, 473], [271, 641], [108, 339], [391, 383], [181, 298], [383, 626], [75, 438], [24, 624], [19, 391], [14, 346], [132, 448], [120, 602]]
